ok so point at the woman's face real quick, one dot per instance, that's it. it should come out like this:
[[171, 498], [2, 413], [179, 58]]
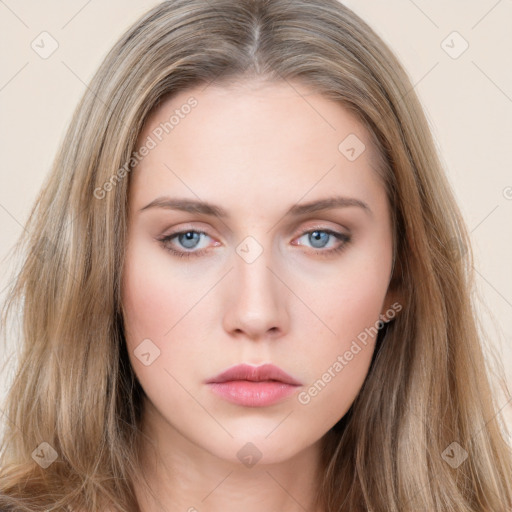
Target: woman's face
[[232, 260]]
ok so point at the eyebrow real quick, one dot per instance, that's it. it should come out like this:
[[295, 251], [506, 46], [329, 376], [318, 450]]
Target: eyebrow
[[205, 208]]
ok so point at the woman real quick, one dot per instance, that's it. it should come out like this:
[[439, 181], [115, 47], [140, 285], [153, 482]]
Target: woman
[[240, 286]]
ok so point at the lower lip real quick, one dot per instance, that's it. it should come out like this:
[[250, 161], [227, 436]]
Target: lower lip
[[253, 394]]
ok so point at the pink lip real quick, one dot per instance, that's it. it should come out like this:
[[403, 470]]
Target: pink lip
[[254, 386]]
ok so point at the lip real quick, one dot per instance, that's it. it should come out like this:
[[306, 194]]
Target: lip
[[254, 386], [264, 372]]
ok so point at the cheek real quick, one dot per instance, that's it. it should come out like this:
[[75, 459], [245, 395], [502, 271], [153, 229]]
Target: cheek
[[352, 301], [155, 303], [166, 305], [352, 315], [147, 301], [339, 364], [156, 292]]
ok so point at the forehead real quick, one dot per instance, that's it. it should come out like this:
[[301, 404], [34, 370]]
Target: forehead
[[259, 106], [258, 136]]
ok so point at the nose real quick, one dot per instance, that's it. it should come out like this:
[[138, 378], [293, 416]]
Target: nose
[[257, 300]]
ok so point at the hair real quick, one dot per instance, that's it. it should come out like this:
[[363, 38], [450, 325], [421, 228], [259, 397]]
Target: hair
[[428, 385]]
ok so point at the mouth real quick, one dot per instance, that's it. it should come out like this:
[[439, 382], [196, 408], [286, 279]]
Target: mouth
[[254, 386], [253, 394]]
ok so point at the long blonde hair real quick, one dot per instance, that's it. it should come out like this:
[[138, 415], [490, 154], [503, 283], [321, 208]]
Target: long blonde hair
[[428, 394]]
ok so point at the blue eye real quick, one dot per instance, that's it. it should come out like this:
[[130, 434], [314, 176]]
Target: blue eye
[[319, 238], [189, 240]]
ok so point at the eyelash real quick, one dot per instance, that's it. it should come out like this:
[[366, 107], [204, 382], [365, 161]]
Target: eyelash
[[345, 239]]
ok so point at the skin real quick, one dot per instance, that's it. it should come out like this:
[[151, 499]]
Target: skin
[[255, 150]]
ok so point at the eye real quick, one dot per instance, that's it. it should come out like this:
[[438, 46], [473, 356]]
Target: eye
[[320, 238], [188, 240], [187, 243]]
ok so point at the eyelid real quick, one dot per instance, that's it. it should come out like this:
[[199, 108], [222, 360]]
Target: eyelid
[[336, 234], [343, 240], [322, 226]]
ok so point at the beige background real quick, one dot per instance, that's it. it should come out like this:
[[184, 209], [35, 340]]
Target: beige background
[[468, 101]]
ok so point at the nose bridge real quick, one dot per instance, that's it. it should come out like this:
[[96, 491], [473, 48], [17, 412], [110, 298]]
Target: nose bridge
[[255, 283], [257, 302]]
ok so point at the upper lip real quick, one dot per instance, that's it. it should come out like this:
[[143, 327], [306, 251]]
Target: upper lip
[[265, 372]]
